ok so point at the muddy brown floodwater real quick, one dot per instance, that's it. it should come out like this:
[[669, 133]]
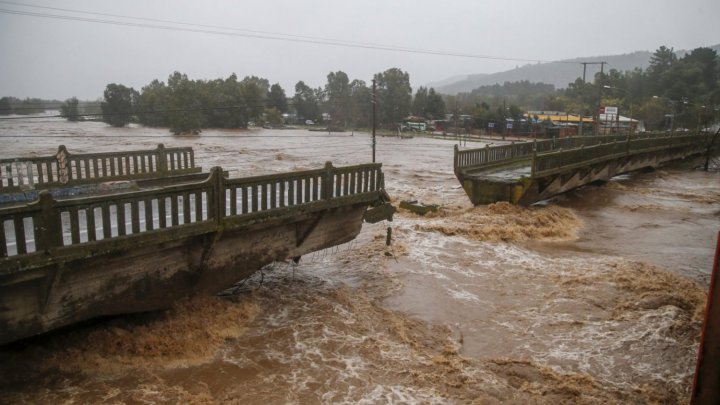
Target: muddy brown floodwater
[[594, 297]]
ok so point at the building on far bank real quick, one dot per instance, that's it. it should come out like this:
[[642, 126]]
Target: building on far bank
[[567, 124], [617, 123]]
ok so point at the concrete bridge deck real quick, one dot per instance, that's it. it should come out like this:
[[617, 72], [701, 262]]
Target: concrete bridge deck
[[65, 260], [528, 172]]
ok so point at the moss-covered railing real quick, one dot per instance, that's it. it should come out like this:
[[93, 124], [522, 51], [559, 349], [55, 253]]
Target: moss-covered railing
[[544, 164], [67, 169], [50, 229]]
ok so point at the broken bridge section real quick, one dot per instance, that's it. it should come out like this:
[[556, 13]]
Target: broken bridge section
[[528, 172], [66, 260]]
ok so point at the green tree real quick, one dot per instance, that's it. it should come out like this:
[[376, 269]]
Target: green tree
[[337, 91], [515, 112], [254, 91], [185, 113], [69, 109], [580, 97], [393, 94], [435, 108], [225, 103], [420, 102], [703, 61], [428, 104], [653, 113], [660, 63], [117, 107], [276, 98], [6, 107], [154, 100], [482, 115], [360, 104], [28, 105], [274, 117], [306, 102], [661, 60]]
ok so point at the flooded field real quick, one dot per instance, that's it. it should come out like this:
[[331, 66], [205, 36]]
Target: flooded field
[[594, 297]]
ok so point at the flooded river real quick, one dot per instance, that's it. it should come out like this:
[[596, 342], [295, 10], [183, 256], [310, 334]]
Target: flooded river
[[594, 297]]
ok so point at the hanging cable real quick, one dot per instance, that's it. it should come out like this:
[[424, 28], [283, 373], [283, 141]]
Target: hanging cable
[[236, 32]]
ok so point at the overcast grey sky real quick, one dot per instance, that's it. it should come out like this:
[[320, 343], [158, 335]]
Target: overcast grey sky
[[60, 58]]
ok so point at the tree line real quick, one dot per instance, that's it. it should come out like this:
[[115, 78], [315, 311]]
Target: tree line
[[678, 91], [27, 106], [72, 109], [187, 106]]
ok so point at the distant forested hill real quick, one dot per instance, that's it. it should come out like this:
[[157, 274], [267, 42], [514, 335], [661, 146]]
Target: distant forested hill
[[558, 74]]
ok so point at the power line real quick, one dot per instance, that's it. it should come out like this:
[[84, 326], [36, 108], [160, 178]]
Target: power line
[[187, 23], [213, 30]]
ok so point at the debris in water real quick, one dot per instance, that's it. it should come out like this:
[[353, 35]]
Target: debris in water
[[418, 207]]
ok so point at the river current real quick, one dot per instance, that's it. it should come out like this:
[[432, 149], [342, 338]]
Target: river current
[[596, 296]]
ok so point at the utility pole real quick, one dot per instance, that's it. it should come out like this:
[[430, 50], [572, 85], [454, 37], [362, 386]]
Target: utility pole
[[582, 100], [374, 102], [600, 87], [582, 94]]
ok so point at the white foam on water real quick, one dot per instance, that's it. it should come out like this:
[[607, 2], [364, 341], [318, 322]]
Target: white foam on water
[[464, 296], [397, 394], [521, 292]]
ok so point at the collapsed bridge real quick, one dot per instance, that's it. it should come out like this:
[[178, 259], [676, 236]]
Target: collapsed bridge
[[528, 172], [68, 257]]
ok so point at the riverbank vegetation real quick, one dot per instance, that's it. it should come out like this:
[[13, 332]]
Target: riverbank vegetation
[[187, 106], [28, 106]]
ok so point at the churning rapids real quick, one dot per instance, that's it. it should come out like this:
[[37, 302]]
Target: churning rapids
[[594, 297]]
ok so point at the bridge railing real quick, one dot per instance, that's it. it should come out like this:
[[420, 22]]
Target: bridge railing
[[277, 191], [171, 212], [544, 164], [67, 169], [477, 158], [491, 154]]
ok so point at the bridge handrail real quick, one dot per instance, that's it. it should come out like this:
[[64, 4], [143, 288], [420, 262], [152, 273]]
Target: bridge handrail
[[49, 225], [476, 158], [67, 169], [544, 164], [252, 194]]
